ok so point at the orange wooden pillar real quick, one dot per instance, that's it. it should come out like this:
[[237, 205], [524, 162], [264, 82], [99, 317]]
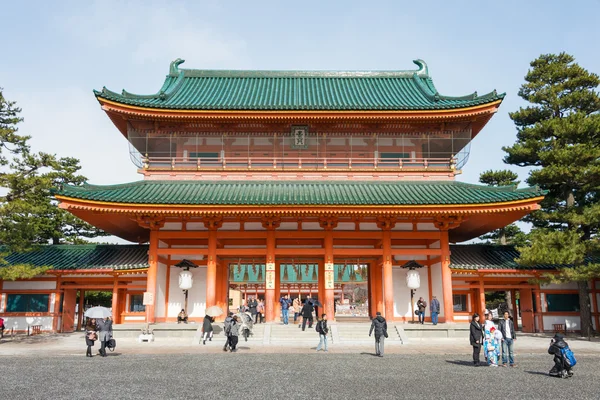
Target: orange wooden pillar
[[388, 279], [538, 310], [80, 307], [446, 277], [211, 268], [378, 286], [372, 300], [270, 275], [326, 275], [222, 287], [152, 272], [481, 302], [68, 314], [115, 302]]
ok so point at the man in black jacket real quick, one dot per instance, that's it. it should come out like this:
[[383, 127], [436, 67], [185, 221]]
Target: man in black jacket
[[307, 311], [379, 325], [507, 328]]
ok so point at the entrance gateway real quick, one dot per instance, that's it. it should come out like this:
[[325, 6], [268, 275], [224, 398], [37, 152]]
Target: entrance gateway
[[310, 182]]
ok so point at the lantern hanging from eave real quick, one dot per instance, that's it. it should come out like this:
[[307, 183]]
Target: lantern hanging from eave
[[413, 279], [185, 280]]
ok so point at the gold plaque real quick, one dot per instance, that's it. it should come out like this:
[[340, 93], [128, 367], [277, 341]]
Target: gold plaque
[[270, 281], [329, 280]]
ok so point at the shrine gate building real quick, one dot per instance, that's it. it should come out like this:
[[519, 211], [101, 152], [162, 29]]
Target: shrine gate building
[[288, 182]]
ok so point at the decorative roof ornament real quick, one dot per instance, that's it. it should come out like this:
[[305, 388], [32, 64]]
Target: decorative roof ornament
[[174, 68], [423, 70]]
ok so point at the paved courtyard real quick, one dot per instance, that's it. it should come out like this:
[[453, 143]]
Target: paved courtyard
[[291, 376], [54, 367]]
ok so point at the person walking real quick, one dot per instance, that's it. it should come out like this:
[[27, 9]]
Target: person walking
[[507, 328], [226, 329], [434, 308], [476, 338], [379, 325], [207, 329], [323, 330], [307, 314], [422, 306], [90, 336], [297, 307], [285, 305], [234, 332], [260, 311], [104, 333]]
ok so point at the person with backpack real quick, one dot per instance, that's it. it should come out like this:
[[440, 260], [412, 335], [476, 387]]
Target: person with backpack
[[564, 359], [234, 332], [323, 330], [379, 325], [226, 329]]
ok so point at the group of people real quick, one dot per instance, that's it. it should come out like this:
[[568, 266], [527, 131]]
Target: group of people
[[498, 341], [495, 340], [434, 309], [256, 308], [98, 329]]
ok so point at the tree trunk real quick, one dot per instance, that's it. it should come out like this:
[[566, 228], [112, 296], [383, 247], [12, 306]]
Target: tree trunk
[[585, 308]]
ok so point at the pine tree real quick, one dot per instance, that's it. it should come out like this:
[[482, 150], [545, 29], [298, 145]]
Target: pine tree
[[558, 134], [510, 234], [28, 213]]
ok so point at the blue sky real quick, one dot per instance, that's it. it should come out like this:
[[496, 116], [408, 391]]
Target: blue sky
[[55, 53]]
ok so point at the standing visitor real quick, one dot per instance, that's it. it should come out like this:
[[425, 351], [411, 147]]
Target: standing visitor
[[2, 327], [379, 325], [422, 306], [307, 314], [104, 333], [285, 305], [226, 329], [323, 331], [507, 328], [90, 336], [490, 346], [297, 307], [260, 311], [207, 329], [252, 305], [232, 335], [434, 308], [475, 337]]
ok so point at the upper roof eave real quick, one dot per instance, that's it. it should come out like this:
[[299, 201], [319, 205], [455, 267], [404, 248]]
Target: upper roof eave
[[298, 90]]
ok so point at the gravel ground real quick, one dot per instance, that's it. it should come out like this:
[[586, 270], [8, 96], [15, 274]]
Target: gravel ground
[[288, 376]]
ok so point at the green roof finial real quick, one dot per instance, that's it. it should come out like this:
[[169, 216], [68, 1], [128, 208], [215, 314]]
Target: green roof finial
[[174, 69], [423, 71]]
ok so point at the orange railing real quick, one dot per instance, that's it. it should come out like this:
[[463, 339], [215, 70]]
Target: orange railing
[[294, 163]]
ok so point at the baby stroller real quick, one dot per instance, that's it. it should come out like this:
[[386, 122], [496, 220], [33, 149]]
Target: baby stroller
[[247, 324]]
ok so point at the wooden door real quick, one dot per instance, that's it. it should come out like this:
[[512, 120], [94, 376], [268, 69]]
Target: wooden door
[[68, 313]]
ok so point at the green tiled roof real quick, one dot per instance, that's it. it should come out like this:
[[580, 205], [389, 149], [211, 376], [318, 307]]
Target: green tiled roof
[[191, 89], [88, 256], [488, 256], [306, 193]]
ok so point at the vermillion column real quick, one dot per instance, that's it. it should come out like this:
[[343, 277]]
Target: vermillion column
[[211, 263], [326, 269], [152, 271], [446, 277], [115, 302], [271, 273], [386, 225]]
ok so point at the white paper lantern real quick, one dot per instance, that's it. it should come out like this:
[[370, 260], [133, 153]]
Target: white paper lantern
[[185, 280], [413, 279]]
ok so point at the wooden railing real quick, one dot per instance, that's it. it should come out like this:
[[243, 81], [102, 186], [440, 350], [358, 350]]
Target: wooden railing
[[296, 163]]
